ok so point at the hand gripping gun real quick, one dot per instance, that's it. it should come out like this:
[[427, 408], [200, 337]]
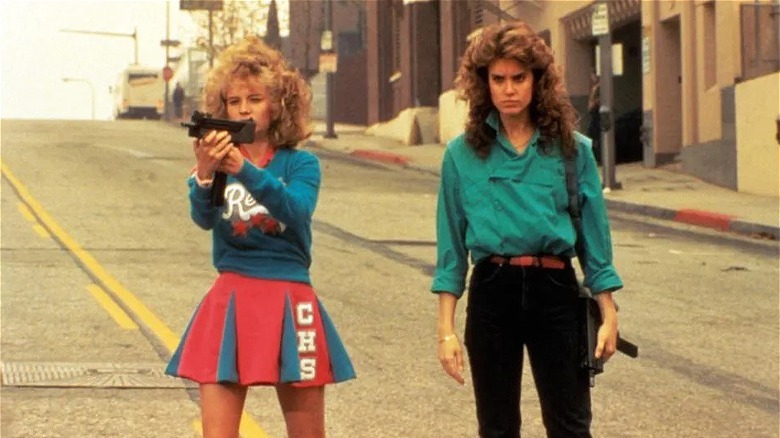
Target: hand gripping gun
[[589, 313], [241, 131]]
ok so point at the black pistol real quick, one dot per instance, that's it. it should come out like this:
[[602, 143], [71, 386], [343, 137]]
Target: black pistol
[[590, 322], [241, 131]]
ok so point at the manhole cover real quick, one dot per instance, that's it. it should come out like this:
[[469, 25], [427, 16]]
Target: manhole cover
[[87, 375]]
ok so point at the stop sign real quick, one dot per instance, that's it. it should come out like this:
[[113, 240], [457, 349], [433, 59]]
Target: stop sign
[[167, 73]]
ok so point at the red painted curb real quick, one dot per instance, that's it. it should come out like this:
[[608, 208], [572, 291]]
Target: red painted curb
[[702, 218], [385, 157]]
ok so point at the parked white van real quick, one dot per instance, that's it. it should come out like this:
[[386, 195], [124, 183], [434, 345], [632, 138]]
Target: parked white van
[[139, 93]]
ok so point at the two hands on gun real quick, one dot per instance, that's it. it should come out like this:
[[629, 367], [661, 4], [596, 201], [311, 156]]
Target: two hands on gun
[[216, 148], [596, 330]]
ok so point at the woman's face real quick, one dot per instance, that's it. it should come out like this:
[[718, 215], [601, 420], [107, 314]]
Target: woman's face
[[511, 86], [248, 98]]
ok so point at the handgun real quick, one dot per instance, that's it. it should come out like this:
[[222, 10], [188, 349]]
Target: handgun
[[241, 131], [590, 323]]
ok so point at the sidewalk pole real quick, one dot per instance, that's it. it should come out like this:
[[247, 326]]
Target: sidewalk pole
[[329, 85], [166, 106], [606, 111]]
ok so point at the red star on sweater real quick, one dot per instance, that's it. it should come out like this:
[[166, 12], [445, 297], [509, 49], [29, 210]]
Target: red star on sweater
[[240, 228]]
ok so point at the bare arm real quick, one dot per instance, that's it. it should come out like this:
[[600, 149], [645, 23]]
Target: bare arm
[[607, 336], [450, 350]]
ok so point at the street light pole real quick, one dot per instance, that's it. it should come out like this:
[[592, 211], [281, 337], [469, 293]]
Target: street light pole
[[329, 84], [166, 106], [606, 111], [133, 35], [91, 89]]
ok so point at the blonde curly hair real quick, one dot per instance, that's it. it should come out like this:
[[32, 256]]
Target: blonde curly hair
[[288, 92], [550, 107]]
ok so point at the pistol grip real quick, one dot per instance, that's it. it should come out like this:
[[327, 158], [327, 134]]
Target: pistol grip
[[218, 189]]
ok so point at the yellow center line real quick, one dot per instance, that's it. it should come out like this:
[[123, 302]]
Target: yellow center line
[[27, 213], [41, 231], [112, 308], [31, 218], [249, 428]]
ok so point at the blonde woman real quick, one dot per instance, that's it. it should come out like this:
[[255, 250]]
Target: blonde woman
[[260, 322]]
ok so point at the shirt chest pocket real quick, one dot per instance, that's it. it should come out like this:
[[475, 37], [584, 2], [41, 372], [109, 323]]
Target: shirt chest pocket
[[538, 186]]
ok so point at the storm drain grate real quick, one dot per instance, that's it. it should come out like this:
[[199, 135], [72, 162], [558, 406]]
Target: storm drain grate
[[87, 375]]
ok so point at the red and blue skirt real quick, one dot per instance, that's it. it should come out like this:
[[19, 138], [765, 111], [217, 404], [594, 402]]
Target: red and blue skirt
[[253, 331]]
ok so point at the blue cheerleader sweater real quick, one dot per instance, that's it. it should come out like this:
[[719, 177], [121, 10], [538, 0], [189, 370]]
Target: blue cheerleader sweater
[[263, 230]]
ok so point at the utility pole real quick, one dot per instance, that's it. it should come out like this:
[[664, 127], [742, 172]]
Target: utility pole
[[327, 44], [166, 105], [211, 38], [601, 28]]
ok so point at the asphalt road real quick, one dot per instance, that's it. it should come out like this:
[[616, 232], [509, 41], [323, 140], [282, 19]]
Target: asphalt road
[[101, 268]]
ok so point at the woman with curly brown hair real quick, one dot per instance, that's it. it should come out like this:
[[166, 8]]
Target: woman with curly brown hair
[[260, 322], [503, 204]]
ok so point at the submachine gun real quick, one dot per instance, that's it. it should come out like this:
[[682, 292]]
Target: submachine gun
[[589, 327], [241, 131], [589, 313]]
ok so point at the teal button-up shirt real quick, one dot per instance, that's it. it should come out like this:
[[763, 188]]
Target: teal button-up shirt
[[516, 204]]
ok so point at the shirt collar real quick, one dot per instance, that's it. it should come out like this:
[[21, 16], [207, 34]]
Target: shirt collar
[[494, 122]]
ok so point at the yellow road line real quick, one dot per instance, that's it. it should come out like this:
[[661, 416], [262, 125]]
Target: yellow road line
[[27, 213], [41, 231], [112, 308], [31, 218], [249, 428]]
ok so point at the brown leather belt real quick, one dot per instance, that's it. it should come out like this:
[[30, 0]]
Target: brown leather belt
[[546, 261]]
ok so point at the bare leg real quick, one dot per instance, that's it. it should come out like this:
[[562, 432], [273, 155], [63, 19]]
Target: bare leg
[[220, 409], [304, 410]]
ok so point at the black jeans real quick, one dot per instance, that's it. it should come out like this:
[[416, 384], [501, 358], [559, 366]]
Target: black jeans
[[509, 307]]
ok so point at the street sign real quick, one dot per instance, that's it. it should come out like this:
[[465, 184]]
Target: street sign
[[208, 5], [167, 73], [600, 19], [170, 43], [328, 62], [326, 40]]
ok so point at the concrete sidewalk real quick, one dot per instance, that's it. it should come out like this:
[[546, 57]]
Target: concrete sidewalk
[[663, 193]]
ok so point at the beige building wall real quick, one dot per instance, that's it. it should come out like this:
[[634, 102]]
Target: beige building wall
[[709, 48], [758, 154], [662, 90]]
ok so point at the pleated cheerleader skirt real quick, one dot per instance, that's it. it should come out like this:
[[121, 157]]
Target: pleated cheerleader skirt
[[252, 331]]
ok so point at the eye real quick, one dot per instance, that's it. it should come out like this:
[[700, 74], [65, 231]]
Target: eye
[[232, 102]]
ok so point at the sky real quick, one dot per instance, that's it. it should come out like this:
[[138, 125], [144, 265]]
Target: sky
[[35, 53]]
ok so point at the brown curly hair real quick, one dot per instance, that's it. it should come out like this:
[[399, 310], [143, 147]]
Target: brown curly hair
[[289, 93], [550, 107]]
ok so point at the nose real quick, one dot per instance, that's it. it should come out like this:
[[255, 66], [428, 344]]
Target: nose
[[509, 88], [243, 107]]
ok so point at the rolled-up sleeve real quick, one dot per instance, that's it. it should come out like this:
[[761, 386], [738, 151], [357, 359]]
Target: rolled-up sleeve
[[600, 272], [451, 252]]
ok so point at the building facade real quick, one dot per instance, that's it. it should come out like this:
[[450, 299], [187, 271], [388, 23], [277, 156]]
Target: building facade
[[696, 81]]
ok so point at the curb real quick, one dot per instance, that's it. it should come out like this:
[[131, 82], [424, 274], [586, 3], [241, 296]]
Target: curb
[[384, 157], [702, 218]]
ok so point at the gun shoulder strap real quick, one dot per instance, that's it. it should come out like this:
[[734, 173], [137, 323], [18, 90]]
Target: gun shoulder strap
[[572, 188]]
